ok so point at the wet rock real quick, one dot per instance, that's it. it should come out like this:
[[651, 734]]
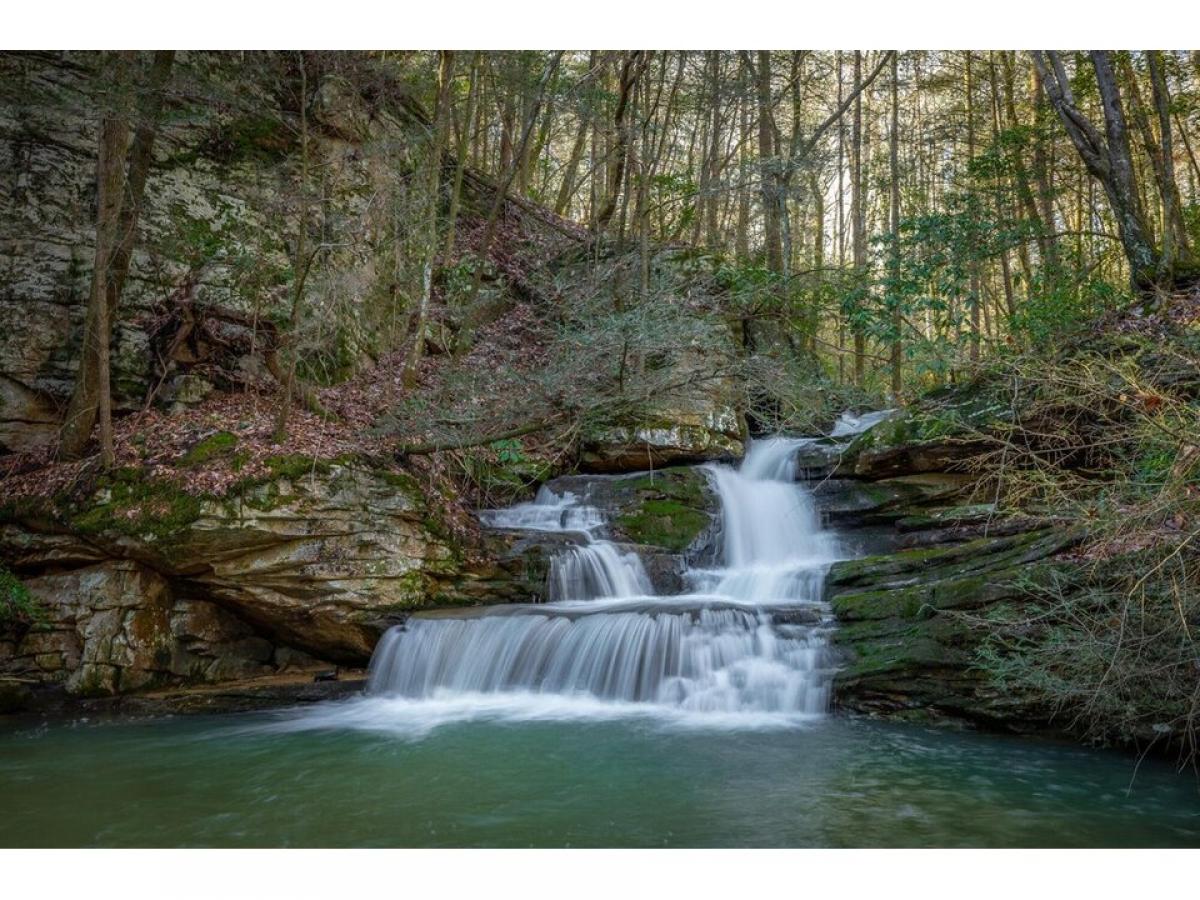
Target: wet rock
[[672, 510]]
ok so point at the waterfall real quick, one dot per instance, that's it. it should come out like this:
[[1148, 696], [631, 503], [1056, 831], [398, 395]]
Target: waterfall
[[749, 638], [596, 571], [774, 547], [593, 570], [849, 425], [719, 660]]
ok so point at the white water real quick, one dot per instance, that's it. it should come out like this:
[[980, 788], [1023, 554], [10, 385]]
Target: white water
[[594, 570], [775, 550], [747, 642], [849, 425]]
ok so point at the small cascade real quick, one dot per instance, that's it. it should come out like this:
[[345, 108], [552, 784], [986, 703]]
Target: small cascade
[[595, 569], [750, 637], [849, 425], [774, 547]]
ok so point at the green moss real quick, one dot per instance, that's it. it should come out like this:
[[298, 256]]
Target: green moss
[[664, 523], [248, 138], [212, 447], [402, 481], [126, 503], [295, 465], [668, 509], [17, 605], [935, 563]]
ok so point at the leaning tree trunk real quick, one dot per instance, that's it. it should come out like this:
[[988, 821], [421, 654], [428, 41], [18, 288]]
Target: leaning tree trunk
[[1107, 157], [858, 212]]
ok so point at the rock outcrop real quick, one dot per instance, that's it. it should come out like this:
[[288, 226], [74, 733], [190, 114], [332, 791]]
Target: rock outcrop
[[687, 411], [144, 586], [911, 624], [221, 206], [934, 564]]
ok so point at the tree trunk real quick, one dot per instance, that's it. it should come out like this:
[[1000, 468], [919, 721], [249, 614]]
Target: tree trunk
[[92, 396], [897, 354], [969, 88], [742, 234], [441, 125], [1107, 158], [841, 220], [768, 167], [461, 155], [631, 70], [710, 186], [1177, 251], [858, 225]]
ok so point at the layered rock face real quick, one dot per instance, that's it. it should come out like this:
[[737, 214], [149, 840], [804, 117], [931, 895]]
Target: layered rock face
[[297, 572], [221, 208], [936, 564], [118, 626]]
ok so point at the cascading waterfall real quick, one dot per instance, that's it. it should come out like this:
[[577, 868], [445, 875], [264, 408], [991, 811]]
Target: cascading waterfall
[[593, 570], [748, 638], [775, 550], [719, 660]]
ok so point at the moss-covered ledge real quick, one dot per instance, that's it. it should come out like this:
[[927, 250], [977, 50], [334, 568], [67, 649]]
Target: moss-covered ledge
[[669, 509], [908, 636]]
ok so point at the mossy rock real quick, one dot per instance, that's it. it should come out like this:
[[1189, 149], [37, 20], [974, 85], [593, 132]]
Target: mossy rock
[[925, 599], [127, 502], [923, 565], [935, 436], [669, 509], [215, 446]]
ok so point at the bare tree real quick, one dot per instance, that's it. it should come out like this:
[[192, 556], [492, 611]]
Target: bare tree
[[119, 205], [1107, 157]]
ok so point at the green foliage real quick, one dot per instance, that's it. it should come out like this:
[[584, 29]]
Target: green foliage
[[749, 288], [502, 472], [17, 605], [1103, 432], [1061, 302]]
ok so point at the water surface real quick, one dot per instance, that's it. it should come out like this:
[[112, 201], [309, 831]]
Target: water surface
[[541, 772]]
